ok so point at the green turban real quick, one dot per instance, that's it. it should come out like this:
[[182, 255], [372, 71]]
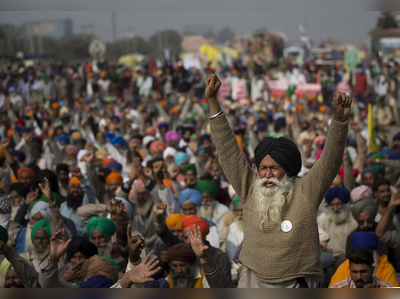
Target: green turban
[[367, 206], [102, 224], [208, 187], [78, 141], [380, 168], [235, 202], [6, 265], [56, 198], [191, 167], [111, 261], [45, 224], [3, 235]]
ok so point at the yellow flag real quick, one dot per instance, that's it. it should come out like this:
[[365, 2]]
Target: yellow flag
[[371, 131]]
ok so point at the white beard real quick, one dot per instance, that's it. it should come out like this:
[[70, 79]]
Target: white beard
[[206, 212], [41, 256], [104, 249], [340, 217], [143, 210], [170, 166], [28, 242], [272, 200], [239, 223]]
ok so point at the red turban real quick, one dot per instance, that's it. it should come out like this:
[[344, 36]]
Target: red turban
[[27, 171], [188, 222], [114, 176], [157, 146]]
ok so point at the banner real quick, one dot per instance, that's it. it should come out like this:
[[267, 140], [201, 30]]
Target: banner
[[278, 88], [343, 87], [224, 90], [238, 89]]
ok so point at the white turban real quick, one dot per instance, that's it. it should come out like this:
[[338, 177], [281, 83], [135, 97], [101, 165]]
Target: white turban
[[148, 139], [169, 151], [43, 208], [81, 153]]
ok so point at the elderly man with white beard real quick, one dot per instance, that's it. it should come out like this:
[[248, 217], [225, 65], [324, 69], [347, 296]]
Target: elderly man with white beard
[[339, 223], [281, 245]]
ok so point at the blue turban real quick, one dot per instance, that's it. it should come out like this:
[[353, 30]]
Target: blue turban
[[19, 155], [351, 142], [396, 137], [193, 195], [64, 138], [108, 135], [23, 130], [387, 151], [179, 158], [342, 193], [163, 125], [365, 239], [97, 282], [118, 140], [114, 165], [160, 283], [371, 170]]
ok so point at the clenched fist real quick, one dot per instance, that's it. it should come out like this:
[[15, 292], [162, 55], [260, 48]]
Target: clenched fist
[[212, 86], [159, 209], [341, 106]]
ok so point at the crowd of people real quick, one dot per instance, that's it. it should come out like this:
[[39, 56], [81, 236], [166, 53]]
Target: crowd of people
[[114, 177]]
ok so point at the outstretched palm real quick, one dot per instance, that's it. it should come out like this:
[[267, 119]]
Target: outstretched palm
[[196, 240], [144, 271], [58, 245]]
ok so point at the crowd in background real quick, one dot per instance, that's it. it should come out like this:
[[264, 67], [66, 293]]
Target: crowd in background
[[102, 165]]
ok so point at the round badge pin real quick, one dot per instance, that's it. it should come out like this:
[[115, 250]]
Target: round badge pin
[[286, 226]]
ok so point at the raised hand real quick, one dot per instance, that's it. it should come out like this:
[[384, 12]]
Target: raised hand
[[88, 157], [148, 172], [75, 171], [31, 197], [395, 200], [159, 209], [58, 245], [341, 106], [45, 188], [174, 173], [73, 273], [136, 245], [212, 86], [194, 147], [142, 273], [117, 208], [196, 240]]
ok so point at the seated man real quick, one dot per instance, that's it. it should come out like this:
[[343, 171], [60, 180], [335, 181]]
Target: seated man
[[210, 208], [184, 273], [220, 258], [383, 269], [339, 223], [361, 270]]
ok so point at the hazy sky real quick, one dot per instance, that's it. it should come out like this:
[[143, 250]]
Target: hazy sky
[[343, 26]]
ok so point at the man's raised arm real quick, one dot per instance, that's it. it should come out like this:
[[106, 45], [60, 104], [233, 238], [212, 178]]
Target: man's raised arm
[[234, 164], [322, 174]]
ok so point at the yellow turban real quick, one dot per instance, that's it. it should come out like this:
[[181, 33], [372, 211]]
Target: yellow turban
[[174, 220]]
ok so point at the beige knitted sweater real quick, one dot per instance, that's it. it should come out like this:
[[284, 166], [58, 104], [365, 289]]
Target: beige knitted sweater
[[272, 255]]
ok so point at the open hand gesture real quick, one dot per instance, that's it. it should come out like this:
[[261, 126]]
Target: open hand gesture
[[395, 200], [142, 273], [58, 245], [73, 273], [212, 86], [45, 188], [31, 197], [341, 106], [196, 240]]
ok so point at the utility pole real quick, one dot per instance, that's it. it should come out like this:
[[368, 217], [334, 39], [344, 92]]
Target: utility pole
[[114, 25]]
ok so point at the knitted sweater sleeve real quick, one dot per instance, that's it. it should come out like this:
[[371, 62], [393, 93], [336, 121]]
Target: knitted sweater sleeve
[[237, 170], [324, 171]]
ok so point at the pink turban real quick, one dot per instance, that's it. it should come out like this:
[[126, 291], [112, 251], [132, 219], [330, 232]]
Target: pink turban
[[171, 135], [157, 146], [361, 192], [319, 140], [150, 131], [139, 187]]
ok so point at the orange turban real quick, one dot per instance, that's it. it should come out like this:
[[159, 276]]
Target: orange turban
[[157, 145], [114, 176], [106, 161], [169, 185], [55, 106], [1, 152], [9, 132], [27, 171], [74, 180], [188, 222], [174, 220], [76, 135]]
